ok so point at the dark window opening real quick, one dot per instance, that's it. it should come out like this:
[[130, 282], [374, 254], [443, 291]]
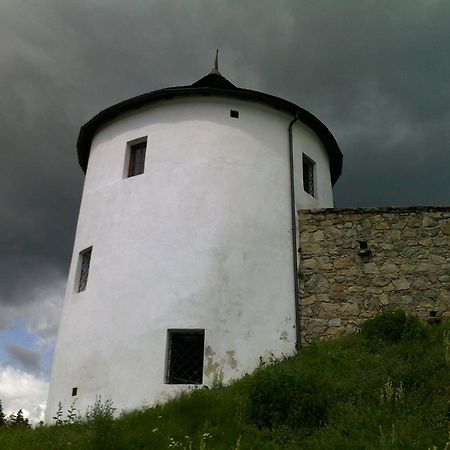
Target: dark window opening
[[137, 159], [185, 356], [74, 391], [364, 248], [308, 175], [434, 318], [85, 257], [234, 114]]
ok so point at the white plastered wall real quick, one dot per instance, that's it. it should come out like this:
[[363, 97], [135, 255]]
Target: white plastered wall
[[305, 141], [201, 240]]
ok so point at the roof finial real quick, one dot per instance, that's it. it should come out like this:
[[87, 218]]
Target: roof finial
[[215, 68]]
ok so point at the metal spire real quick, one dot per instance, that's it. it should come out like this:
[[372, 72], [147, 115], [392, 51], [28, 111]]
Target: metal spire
[[215, 69]]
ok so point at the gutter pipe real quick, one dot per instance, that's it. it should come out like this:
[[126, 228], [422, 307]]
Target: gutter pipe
[[294, 234]]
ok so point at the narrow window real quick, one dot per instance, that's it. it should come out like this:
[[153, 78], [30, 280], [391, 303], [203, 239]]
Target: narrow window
[[85, 261], [308, 175], [137, 158], [185, 356], [74, 391], [234, 113]]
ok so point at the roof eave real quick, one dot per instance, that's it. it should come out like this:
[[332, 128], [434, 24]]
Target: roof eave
[[88, 130]]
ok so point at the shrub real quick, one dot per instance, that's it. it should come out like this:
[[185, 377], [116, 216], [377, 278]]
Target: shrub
[[100, 411], [390, 328], [280, 396], [99, 418]]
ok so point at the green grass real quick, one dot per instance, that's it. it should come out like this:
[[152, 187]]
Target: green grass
[[386, 388]]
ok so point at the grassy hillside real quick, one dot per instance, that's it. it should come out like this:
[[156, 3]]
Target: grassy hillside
[[386, 388]]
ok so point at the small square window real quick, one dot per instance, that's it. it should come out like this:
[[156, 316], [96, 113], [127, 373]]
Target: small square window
[[74, 391], [85, 262], [234, 114], [308, 175], [137, 158], [185, 356]]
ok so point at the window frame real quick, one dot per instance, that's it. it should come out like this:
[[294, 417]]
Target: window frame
[[309, 175], [131, 168], [170, 376], [84, 259]]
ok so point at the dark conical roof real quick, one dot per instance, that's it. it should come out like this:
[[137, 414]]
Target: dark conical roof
[[212, 84], [214, 79]]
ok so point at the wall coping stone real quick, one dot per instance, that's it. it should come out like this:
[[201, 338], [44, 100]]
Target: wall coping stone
[[382, 209]]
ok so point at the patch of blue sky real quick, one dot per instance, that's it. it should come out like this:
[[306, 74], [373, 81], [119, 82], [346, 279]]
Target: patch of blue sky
[[46, 361], [18, 335]]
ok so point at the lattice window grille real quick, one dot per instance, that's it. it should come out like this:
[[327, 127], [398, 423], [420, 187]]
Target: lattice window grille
[[308, 175], [85, 256], [185, 357]]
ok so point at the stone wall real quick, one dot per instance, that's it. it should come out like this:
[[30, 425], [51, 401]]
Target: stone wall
[[355, 263]]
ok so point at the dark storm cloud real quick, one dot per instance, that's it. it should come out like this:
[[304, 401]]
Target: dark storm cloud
[[25, 358], [375, 72]]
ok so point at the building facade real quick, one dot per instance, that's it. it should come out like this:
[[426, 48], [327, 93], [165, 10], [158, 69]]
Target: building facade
[[184, 269]]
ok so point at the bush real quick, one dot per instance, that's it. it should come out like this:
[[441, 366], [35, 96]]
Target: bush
[[281, 396], [99, 418], [390, 328]]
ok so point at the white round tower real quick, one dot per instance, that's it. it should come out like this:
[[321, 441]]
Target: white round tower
[[184, 264]]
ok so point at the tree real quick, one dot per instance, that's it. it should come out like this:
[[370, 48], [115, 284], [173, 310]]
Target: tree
[[2, 416], [17, 420]]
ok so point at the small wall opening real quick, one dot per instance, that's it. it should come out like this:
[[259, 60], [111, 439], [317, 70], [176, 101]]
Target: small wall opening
[[364, 248]]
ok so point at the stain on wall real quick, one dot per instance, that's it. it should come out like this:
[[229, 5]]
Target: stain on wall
[[231, 360]]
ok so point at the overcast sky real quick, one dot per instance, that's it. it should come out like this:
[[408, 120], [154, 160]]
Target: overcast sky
[[377, 73]]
